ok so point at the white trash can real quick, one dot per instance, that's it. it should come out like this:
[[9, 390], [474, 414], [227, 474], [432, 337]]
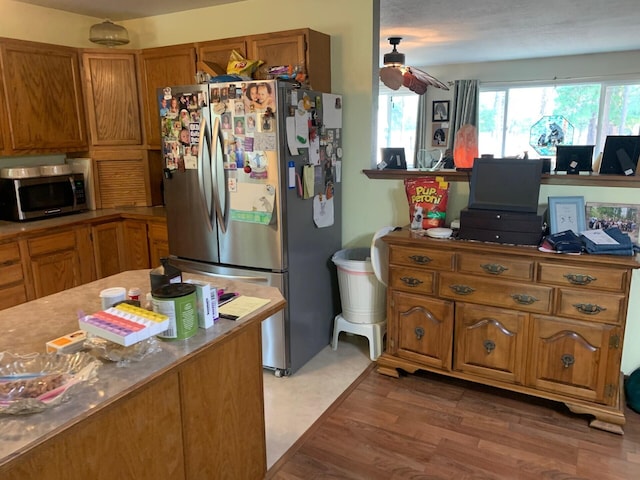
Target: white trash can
[[362, 295]]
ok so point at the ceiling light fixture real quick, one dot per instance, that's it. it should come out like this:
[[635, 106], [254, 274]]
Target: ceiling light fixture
[[108, 34], [394, 58]]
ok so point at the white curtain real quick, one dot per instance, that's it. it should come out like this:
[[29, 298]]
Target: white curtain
[[423, 139]]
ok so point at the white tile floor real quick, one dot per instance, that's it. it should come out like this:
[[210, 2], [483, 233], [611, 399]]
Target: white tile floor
[[293, 403]]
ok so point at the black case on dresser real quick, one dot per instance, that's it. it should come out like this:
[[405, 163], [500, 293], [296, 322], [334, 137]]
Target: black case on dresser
[[502, 226]]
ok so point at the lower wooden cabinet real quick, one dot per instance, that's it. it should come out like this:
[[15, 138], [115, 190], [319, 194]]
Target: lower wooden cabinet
[[512, 317], [64, 257], [54, 262], [13, 289], [158, 242], [108, 248]]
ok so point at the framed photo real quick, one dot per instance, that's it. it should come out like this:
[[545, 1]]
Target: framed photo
[[605, 215], [439, 135], [440, 111], [567, 213]]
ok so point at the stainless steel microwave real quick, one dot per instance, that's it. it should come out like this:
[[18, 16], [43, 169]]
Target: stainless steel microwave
[[41, 197]]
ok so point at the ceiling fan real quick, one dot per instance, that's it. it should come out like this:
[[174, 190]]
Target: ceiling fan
[[395, 73]]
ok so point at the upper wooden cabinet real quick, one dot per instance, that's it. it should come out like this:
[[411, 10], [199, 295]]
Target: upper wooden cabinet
[[43, 100], [219, 51], [304, 46], [112, 98], [162, 67]]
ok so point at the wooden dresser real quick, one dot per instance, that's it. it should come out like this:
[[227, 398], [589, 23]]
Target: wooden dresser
[[548, 325]]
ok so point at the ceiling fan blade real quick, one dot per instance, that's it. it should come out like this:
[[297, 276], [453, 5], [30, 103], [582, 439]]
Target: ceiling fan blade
[[391, 77], [424, 77]]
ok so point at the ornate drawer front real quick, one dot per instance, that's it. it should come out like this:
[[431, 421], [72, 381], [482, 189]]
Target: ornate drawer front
[[500, 267], [520, 296], [412, 280], [425, 329], [592, 306], [572, 358], [490, 342], [421, 257], [583, 277]]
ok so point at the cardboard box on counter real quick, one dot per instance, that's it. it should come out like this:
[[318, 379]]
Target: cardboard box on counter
[[207, 299]]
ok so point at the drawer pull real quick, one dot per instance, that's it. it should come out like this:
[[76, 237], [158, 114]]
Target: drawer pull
[[421, 259], [524, 299], [579, 279], [489, 345], [462, 289], [419, 331], [589, 308], [567, 360], [494, 268], [411, 281]]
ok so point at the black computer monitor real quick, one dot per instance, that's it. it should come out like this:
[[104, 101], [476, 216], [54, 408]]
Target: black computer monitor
[[574, 158], [393, 158], [509, 184], [620, 155]]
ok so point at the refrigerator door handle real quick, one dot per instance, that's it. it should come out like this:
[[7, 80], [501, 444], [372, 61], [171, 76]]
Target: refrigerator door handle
[[216, 148], [204, 142]]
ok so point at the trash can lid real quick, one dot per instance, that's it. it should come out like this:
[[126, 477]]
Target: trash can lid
[[380, 255]]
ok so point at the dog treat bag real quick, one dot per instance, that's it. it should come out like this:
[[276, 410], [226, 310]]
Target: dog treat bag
[[427, 197]]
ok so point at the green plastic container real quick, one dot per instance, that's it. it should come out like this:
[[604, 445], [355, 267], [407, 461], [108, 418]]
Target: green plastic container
[[178, 302]]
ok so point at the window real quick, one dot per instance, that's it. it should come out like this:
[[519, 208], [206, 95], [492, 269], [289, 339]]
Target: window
[[516, 119], [397, 115]]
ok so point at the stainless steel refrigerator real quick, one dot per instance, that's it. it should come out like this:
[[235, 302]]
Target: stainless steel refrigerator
[[252, 192]]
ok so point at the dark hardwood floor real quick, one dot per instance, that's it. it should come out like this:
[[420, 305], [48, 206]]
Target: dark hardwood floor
[[425, 426]]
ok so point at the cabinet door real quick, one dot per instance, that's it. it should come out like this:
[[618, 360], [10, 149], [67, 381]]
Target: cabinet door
[[163, 67], [107, 247], [113, 102], [45, 108], [54, 262], [136, 244], [578, 359], [282, 48], [158, 242], [12, 285], [423, 329], [219, 51], [490, 342]]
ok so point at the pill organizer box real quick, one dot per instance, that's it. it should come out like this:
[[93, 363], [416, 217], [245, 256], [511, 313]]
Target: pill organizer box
[[124, 324]]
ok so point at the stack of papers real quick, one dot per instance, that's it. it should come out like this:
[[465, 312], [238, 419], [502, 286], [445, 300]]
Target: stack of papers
[[241, 306]]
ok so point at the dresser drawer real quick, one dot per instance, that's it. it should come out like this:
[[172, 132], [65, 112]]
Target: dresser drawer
[[496, 266], [412, 280], [593, 306], [583, 277], [421, 257], [519, 296]]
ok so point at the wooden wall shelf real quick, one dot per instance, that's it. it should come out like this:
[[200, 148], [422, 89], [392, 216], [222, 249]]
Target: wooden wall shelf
[[593, 180]]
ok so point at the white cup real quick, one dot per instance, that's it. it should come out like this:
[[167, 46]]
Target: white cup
[[111, 296]]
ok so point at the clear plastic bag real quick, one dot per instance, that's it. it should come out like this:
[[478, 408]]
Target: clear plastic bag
[[107, 350], [35, 382]]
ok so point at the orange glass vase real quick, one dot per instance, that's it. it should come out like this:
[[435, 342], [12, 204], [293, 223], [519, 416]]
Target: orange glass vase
[[465, 149]]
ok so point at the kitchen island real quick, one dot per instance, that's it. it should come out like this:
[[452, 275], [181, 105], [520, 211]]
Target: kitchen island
[[193, 410]]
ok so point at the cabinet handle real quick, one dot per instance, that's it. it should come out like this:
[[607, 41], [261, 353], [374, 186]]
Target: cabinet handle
[[489, 345], [589, 308], [462, 289], [411, 282], [420, 259], [524, 299], [419, 331], [494, 268], [579, 279], [567, 360]]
